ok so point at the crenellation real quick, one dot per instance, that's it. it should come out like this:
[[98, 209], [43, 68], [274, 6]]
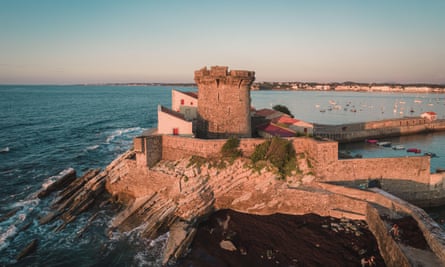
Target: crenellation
[[224, 102], [219, 71]]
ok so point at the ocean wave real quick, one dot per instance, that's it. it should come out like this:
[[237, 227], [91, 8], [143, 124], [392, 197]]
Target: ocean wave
[[11, 231], [11, 228], [50, 180], [150, 255], [92, 147], [120, 132], [4, 150]]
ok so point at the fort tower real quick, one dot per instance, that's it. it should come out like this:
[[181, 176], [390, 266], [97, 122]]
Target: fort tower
[[224, 102]]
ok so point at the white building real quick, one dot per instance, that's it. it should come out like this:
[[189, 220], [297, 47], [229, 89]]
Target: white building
[[179, 119], [185, 103]]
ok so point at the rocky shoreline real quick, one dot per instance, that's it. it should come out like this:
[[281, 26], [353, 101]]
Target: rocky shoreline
[[195, 201]]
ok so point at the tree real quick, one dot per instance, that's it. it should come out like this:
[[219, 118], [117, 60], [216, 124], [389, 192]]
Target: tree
[[282, 108]]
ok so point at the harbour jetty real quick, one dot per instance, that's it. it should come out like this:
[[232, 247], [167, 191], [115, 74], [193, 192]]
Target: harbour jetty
[[351, 132]]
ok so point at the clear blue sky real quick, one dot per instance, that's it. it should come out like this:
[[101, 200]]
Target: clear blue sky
[[87, 41]]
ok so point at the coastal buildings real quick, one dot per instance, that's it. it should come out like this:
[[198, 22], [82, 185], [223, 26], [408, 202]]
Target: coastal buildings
[[429, 115]]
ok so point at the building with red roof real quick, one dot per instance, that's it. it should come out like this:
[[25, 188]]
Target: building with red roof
[[429, 115], [270, 130]]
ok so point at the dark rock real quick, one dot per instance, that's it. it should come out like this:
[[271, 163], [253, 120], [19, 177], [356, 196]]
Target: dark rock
[[64, 178], [279, 240], [30, 248], [9, 214]]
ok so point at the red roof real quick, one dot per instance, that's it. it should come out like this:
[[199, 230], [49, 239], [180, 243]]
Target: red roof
[[191, 94], [173, 113], [431, 113], [265, 112], [275, 130], [285, 120]]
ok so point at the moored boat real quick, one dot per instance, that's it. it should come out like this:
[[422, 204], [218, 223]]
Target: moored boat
[[440, 170], [371, 141], [414, 150], [430, 154], [398, 147], [385, 144]]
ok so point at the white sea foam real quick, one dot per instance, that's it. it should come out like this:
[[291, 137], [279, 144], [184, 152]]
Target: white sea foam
[[11, 231], [93, 147], [4, 150], [120, 132], [50, 180], [27, 203], [151, 252]]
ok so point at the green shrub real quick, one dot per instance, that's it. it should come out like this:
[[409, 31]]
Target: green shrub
[[283, 109], [279, 152], [196, 161], [230, 148], [260, 151]]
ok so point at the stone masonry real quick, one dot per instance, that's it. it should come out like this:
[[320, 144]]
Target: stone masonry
[[224, 102]]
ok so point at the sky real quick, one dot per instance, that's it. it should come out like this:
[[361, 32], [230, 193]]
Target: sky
[[100, 41]]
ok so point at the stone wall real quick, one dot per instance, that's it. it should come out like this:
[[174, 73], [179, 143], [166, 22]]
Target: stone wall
[[321, 154], [377, 129], [176, 147], [224, 102], [148, 150], [432, 232], [416, 169], [389, 249]]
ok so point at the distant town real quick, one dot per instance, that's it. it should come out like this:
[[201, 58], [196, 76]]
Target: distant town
[[350, 86], [314, 86]]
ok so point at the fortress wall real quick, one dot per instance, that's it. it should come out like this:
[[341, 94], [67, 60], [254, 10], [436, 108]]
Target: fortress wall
[[389, 249], [431, 230], [378, 129], [321, 153], [414, 121], [415, 169], [177, 147], [148, 150], [433, 233]]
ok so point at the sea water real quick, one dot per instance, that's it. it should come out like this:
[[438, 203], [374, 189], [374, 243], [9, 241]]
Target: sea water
[[47, 129]]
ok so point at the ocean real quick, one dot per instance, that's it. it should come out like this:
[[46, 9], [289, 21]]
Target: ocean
[[47, 129]]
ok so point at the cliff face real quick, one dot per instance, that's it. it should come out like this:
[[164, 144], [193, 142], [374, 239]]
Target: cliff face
[[196, 189], [176, 195]]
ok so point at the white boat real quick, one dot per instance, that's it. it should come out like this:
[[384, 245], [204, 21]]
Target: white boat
[[385, 144], [398, 147]]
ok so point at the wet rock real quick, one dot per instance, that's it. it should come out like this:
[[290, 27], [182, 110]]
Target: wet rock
[[30, 248], [63, 179], [180, 238], [77, 197], [9, 214], [227, 245], [48, 217]]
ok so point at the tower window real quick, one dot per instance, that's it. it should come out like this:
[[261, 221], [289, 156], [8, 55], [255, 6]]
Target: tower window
[[182, 101]]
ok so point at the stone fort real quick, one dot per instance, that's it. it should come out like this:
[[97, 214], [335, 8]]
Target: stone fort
[[223, 102], [224, 111]]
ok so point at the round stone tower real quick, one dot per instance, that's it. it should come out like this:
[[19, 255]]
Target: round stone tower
[[223, 102]]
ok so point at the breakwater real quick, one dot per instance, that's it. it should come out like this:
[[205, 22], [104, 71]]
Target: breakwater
[[352, 132]]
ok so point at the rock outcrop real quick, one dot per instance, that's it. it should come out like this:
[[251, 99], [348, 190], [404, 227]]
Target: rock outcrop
[[175, 196]]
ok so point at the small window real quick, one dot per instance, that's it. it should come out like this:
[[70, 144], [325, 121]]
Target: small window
[[191, 103], [182, 101]]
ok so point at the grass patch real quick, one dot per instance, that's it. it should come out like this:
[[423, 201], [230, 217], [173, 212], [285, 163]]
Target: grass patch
[[279, 152]]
